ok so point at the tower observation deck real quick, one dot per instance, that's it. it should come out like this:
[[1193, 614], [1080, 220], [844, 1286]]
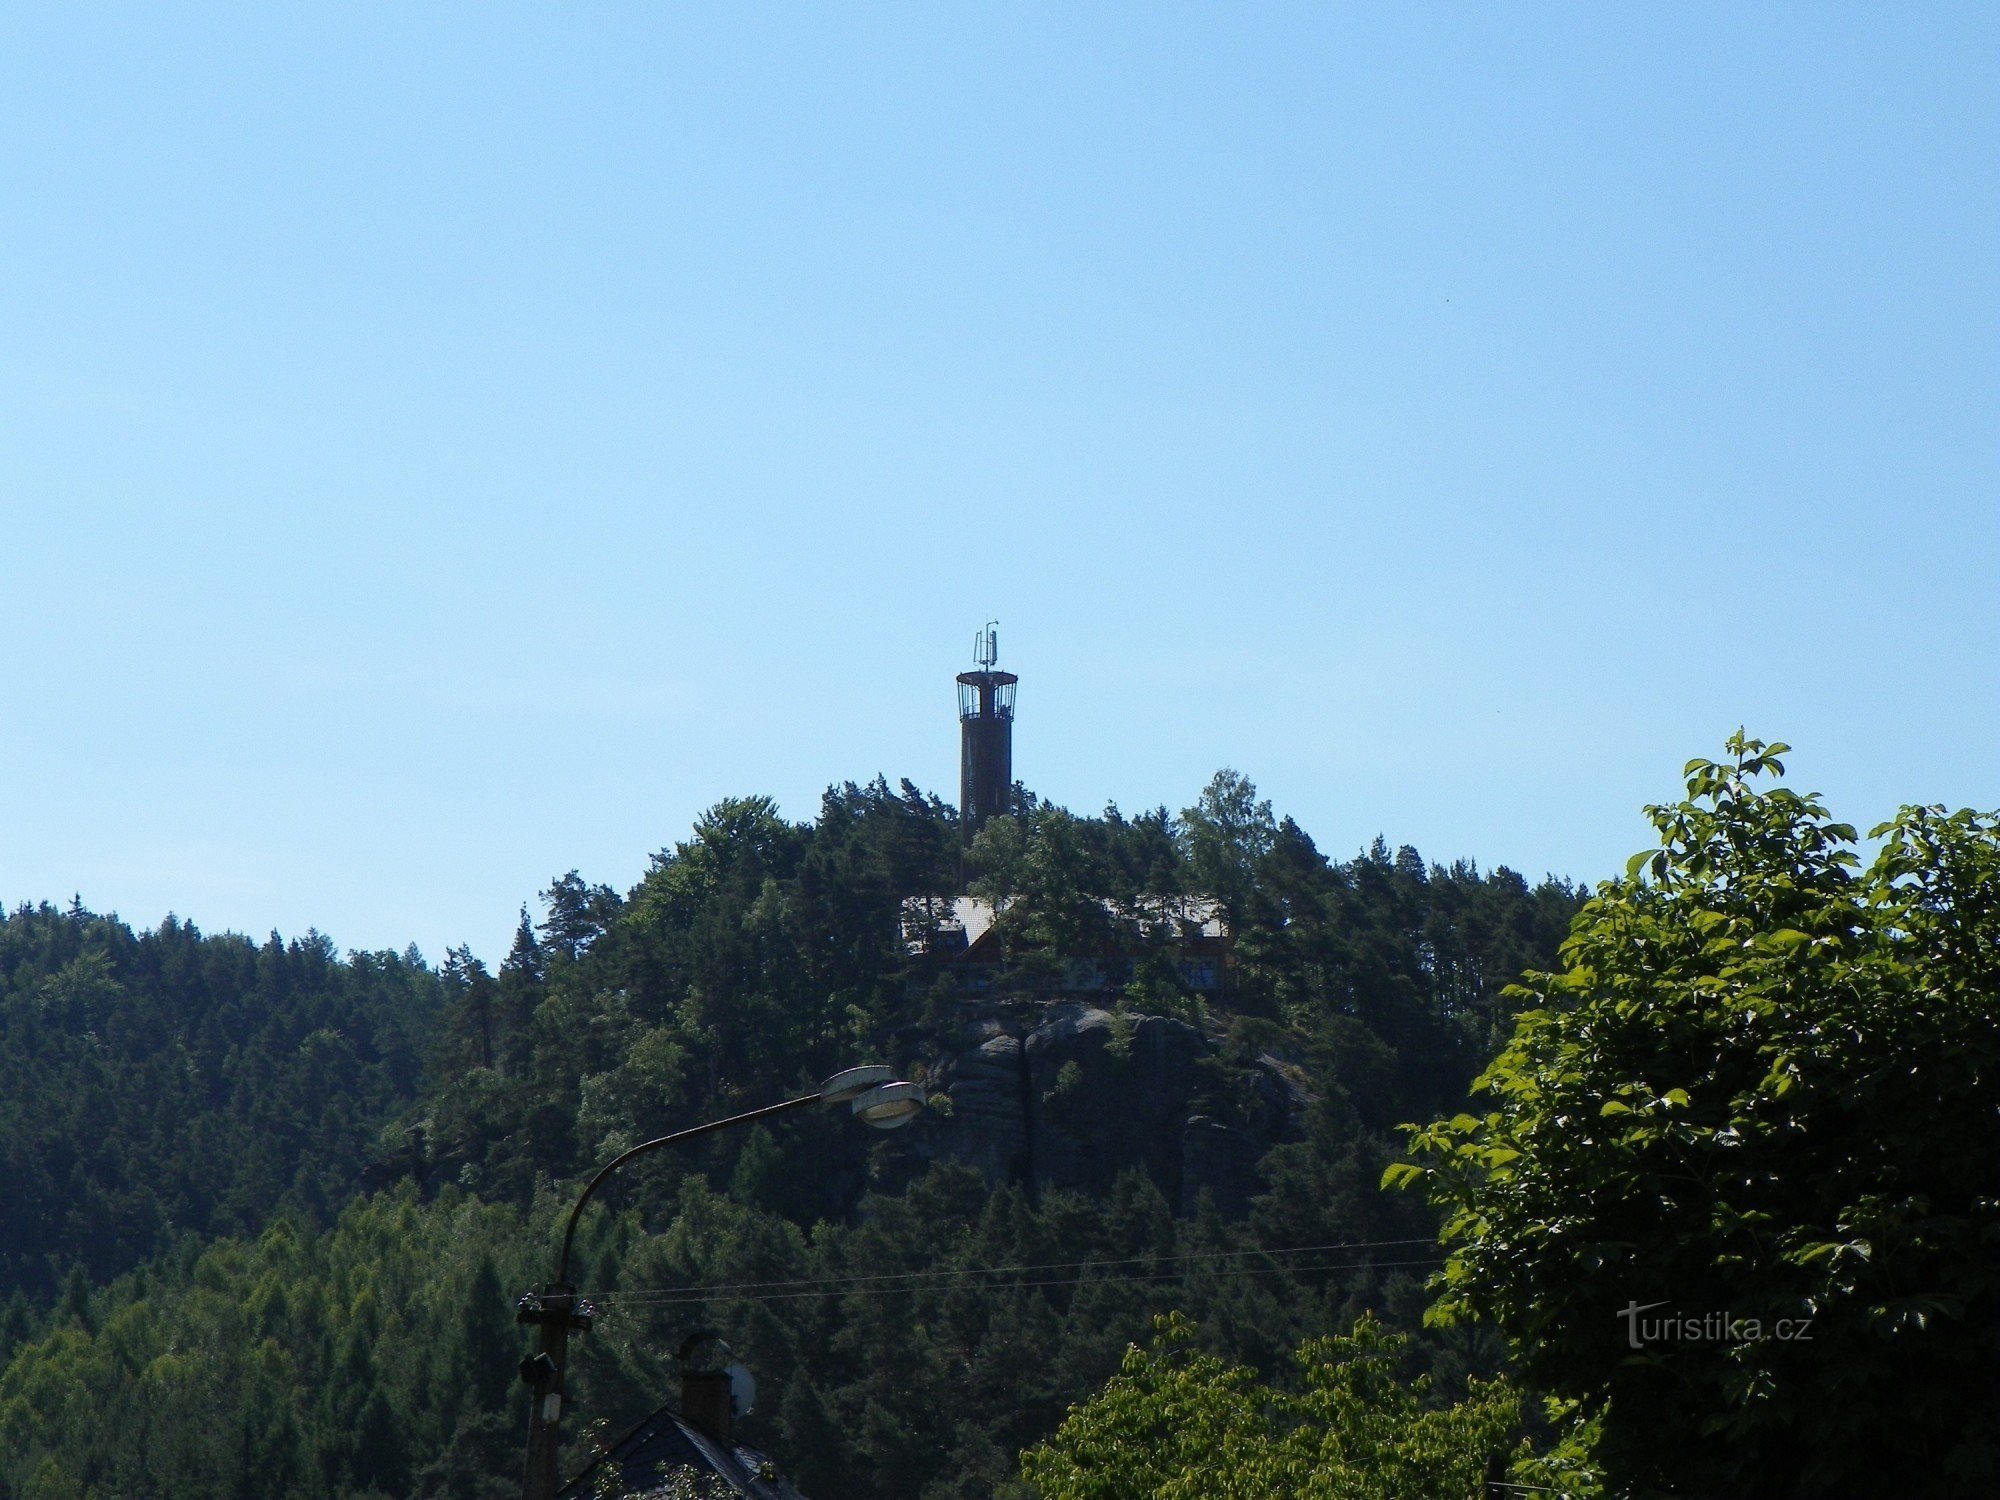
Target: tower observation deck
[[986, 735]]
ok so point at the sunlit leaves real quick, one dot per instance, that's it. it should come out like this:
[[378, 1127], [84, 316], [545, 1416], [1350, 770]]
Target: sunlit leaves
[[1178, 1424], [1762, 1084]]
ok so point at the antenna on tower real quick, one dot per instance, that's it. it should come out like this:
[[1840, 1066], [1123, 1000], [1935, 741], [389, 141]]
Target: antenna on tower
[[986, 646]]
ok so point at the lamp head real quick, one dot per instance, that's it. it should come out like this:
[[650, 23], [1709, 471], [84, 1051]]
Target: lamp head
[[889, 1105], [854, 1082]]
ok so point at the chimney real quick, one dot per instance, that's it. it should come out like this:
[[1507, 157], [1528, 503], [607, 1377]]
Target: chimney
[[707, 1400], [708, 1394]]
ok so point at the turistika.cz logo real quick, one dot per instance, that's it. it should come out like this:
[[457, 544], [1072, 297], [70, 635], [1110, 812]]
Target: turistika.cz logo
[[1706, 1328]]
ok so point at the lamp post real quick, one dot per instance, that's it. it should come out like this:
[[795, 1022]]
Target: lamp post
[[556, 1310]]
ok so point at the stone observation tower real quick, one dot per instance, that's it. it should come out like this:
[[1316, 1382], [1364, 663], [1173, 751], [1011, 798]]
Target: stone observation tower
[[986, 735]]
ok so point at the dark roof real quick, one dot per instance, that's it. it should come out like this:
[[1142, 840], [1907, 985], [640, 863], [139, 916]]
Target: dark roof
[[643, 1459]]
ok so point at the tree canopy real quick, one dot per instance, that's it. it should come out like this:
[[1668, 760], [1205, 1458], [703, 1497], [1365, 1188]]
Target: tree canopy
[[160, 1083], [1733, 1191], [1179, 1424], [421, 1132]]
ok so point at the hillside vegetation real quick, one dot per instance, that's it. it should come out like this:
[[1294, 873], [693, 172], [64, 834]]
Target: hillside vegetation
[[281, 1225], [161, 1084]]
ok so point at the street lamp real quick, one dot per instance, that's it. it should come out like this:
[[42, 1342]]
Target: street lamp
[[871, 1093]]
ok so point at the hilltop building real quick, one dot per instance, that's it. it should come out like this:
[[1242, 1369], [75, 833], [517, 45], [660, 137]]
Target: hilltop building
[[985, 735], [958, 934]]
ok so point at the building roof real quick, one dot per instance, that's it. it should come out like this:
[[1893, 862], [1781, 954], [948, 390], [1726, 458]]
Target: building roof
[[926, 918], [646, 1458]]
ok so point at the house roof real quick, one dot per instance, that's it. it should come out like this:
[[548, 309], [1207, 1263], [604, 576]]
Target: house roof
[[646, 1457]]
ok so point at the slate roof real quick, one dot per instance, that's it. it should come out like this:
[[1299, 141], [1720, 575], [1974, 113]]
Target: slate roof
[[664, 1442]]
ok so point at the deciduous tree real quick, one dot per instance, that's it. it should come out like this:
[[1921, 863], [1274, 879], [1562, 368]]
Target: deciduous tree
[[1754, 1112], [1178, 1424]]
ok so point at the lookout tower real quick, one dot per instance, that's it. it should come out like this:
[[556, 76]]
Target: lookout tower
[[986, 735]]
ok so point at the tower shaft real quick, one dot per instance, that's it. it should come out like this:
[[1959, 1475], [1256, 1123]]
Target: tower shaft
[[985, 736]]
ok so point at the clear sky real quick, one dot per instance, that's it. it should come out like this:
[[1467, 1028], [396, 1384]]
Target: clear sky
[[445, 445]]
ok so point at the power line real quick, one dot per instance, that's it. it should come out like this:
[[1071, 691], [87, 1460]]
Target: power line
[[694, 1295], [697, 1298], [1066, 1265]]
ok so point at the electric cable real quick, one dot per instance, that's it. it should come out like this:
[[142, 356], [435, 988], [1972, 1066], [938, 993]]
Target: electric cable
[[912, 1286], [603, 1298]]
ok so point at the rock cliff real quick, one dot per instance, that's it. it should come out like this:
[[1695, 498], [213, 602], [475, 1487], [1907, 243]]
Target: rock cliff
[[1068, 1095]]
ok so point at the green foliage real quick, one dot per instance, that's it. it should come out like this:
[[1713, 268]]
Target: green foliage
[[378, 1357], [374, 1357], [1054, 902], [854, 1379], [161, 1083], [1224, 836], [1178, 1424], [681, 1484], [1761, 1086], [170, 1094]]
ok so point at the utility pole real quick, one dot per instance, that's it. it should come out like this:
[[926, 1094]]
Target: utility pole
[[555, 1310], [875, 1100]]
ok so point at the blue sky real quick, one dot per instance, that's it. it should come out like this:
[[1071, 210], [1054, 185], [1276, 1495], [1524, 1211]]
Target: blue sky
[[442, 446]]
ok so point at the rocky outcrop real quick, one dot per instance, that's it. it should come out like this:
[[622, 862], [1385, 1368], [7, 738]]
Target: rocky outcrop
[[988, 1125], [1069, 1095]]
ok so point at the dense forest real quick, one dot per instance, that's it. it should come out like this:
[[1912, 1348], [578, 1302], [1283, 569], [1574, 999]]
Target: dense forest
[[281, 1203], [161, 1084], [298, 1194]]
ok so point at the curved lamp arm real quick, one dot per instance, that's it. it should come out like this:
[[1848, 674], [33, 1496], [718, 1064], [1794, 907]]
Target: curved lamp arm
[[876, 1100], [569, 1233]]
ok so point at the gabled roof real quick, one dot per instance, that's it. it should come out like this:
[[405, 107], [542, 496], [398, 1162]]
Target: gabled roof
[[643, 1460]]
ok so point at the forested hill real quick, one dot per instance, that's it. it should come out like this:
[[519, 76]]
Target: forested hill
[[184, 1084], [758, 954], [165, 1083]]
